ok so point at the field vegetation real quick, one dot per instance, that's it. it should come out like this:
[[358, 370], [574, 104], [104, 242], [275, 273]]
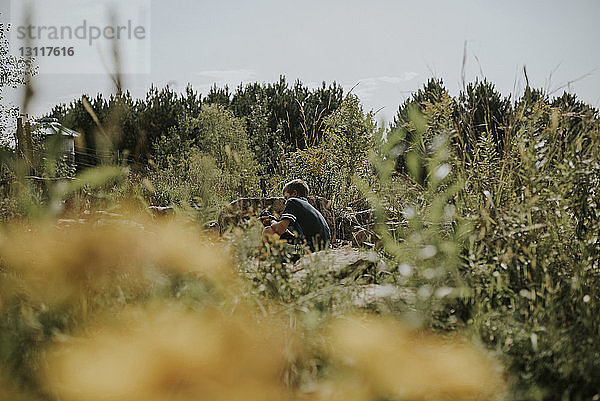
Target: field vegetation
[[484, 213]]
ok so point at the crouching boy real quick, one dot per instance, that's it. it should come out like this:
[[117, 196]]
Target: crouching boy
[[299, 219]]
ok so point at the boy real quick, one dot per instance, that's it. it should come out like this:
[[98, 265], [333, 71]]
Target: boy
[[300, 217]]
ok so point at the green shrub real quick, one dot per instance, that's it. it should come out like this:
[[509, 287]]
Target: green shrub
[[331, 167]]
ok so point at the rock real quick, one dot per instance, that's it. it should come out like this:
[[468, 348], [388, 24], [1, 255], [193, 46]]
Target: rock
[[340, 262], [212, 226], [68, 223], [348, 267], [161, 211], [371, 294]]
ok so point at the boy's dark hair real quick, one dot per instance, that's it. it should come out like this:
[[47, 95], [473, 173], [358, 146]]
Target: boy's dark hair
[[297, 185]]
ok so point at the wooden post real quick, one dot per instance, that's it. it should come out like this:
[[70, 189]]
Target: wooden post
[[24, 141], [28, 145], [20, 137]]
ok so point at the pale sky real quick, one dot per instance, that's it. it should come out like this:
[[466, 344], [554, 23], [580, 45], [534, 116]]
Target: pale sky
[[389, 48]]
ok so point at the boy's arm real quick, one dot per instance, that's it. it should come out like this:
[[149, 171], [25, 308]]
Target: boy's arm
[[288, 216], [277, 228]]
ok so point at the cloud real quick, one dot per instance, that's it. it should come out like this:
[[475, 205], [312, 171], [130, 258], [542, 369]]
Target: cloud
[[368, 86], [384, 92], [407, 76]]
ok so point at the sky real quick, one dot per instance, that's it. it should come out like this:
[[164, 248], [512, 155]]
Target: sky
[[384, 49]]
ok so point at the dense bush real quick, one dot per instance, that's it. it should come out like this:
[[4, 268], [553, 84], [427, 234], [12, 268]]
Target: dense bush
[[203, 163], [533, 258], [279, 118], [523, 221], [343, 155]]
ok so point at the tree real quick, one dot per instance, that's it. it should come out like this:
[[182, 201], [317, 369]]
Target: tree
[[14, 71], [133, 125], [218, 133], [220, 96], [342, 154], [349, 134], [480, 112], [433, 92], [282, 119], [404, 127], [278, 118]]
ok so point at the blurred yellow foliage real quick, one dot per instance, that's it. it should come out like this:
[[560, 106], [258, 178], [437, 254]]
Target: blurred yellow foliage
[[167, 353], [171, 354], [231, 347], [395, 363], [59, 262]]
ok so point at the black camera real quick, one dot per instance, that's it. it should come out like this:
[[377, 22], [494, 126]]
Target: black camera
[[266, 217]]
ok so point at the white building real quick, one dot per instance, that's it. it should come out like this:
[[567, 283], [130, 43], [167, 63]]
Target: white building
[[47, 127]]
